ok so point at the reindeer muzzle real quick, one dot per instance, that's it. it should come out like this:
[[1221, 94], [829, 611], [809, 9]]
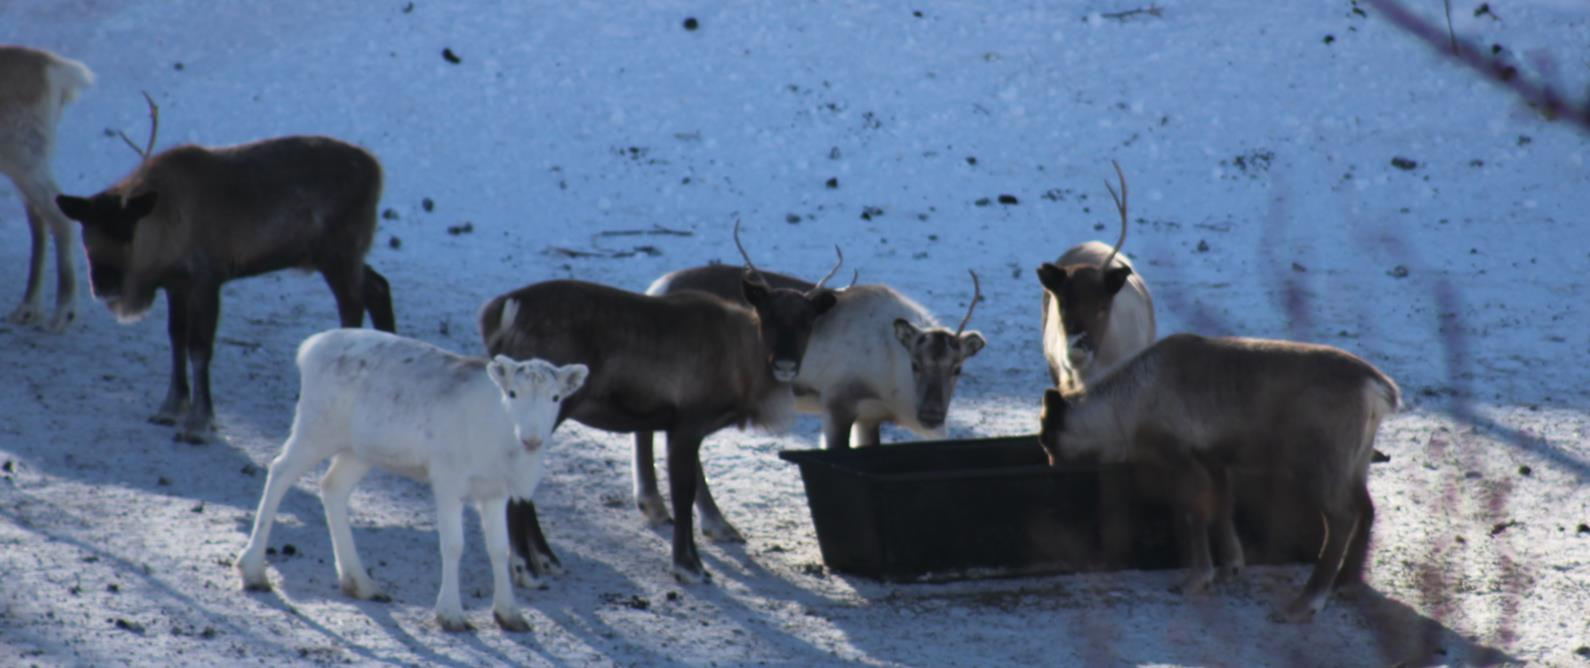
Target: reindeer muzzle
[[785, 371]]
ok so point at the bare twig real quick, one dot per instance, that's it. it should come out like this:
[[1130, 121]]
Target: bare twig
[[154, 130], [1541, 95], [1120, 206], [977, 296], [1451, 35], [656, 230]]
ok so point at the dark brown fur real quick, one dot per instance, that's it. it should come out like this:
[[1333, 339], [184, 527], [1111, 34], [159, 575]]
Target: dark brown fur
[[191, 218], [687, 364], [1196, 406]]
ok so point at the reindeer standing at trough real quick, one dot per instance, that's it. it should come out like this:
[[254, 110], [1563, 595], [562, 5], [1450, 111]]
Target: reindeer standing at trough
[[687, 364], [1193, 407], [1096, 308], [875, 357], [34, 87], [475, 429], [191, 218]]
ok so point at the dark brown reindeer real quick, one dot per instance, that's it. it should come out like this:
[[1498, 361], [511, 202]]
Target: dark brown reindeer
[[687, 364], [34, 87], [875, 357], [191, 218], [1193, 407], [1096, 309]]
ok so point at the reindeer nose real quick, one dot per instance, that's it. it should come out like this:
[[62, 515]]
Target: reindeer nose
[[531, 443], [930, 418], [784, 371]]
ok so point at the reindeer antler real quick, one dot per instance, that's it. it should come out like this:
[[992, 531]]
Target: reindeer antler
[[855, 275], [749, 266], [1120, 205], [833, 271], [977, 296], [154, 130]]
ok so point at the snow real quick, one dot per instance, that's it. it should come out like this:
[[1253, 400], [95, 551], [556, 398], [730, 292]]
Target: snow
[[1240, 130]]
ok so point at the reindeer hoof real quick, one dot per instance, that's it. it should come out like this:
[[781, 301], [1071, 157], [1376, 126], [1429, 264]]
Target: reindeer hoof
[[194, 436], [687, 575], [453, 623], [59, 322], [512, 622], [523, 576], [721, 532], [1296, 612], [364, 590], [655, 512], [24, 314], [256, 583]]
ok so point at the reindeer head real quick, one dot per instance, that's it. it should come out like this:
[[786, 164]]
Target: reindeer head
[[1051, 423], [1086, 295], [109, 224], [786, 316], [532, 393], [936, 358]]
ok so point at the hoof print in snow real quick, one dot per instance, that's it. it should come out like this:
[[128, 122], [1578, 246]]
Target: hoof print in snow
[[1404, 164], [449, 56]]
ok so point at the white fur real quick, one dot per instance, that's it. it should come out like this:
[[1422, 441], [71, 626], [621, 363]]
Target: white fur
[[854, 344], [1131, 327], [27, 141], [474, 429]]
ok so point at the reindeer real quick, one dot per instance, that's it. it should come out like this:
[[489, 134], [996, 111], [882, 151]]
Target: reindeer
[[475, 429], [876, 356], [1191, 407], [687, 364], [191, 218], [34, 87], [1089, 323]]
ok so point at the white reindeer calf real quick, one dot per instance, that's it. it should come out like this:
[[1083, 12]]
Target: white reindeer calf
[[473, 428]]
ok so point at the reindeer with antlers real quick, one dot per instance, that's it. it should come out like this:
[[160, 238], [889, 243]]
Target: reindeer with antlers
[[1096, 308], [34, 87], [190, 218], [875, 357], [685, 363]]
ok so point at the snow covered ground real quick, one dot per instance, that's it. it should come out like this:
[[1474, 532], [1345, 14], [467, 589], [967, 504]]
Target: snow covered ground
[[1258, 139]]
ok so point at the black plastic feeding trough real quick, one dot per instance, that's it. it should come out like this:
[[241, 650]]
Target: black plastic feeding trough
[[945, 510]]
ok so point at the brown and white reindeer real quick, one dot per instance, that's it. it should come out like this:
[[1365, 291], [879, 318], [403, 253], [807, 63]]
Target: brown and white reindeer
[[687, 364], [191, 218], [875, 357], [35, 86], [1096, 308], [1193, 408]]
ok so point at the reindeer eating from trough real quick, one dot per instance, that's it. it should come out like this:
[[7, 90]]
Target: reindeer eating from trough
[[1193, 408], [191, 218], [875, 357], [475, 429], [1096, 308], [687, 364], [34, 87]]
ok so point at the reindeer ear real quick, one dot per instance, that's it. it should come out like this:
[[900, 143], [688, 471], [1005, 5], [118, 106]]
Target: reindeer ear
[[572, 377], [1052, 278], [971, 342], [76, 208], [824, 300], [905, 332], [501, 369], [140, 206], [1115, 279], [755, 293]]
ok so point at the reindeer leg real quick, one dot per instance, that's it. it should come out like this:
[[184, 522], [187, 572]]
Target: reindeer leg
[[1195, 501], [176, 402], [63, 233], [838, 418], [1228, 544], [1340, 528], [378, 299], [31, 309], [713, 524], [867, 433], [204, 313], [494, 525], [347, 287], [1352, 573], [532, 558], [684, 459], [336, 486], [647, 498]]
